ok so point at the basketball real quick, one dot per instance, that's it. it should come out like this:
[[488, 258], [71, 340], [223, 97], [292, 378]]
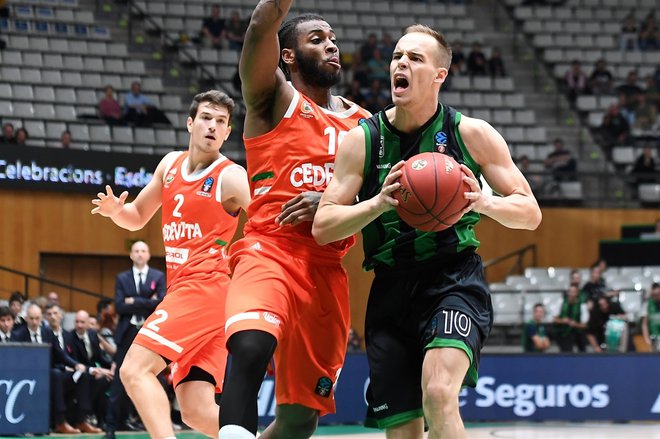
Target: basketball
[[431, 193]]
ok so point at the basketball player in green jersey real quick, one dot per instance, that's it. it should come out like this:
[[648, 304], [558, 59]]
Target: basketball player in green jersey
[[429, 309]]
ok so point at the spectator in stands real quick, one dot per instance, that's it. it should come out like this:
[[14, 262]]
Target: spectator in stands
[[54, 316], [601, 79], [496, 64], [368, 47], [6, 324], [354, 341], [644, 169], [8, 133], [214, 29], [63, 370], [576, 81], [109, 108], [136, 105], [615, 129], [235, 31], [600, 318], [650, 315], [570, 322], [535, 338], [595, 286], [65, 139], [21, 136], [652, 92], [16, 300], [107, 323], [386, 46], [560, 162], [476, 61], [628, 39], [575, 278], [630, 91], [84, 345], [379, 68], [360, 70], [535, 180], [53, 297], [457, 59], [93, 323], [376, 97], [645, 114], [648, 38], [354, 93]]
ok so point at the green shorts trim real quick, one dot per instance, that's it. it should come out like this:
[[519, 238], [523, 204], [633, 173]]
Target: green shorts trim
[[394, 420], [472, 375]]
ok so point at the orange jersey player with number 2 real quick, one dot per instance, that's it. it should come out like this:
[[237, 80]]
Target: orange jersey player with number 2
[[201, 192], [288, 295]]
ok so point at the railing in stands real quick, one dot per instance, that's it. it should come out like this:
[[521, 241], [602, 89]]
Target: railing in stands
[[27, 277], [519, 255]]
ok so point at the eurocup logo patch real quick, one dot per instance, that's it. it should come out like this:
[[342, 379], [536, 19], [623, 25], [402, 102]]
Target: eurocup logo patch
[[419, 164], [441, 141], [324, 387], [206, 187]]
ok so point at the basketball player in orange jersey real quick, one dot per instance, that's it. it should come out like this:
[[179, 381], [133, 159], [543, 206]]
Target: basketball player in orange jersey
[[429, 311], [201, 192], [288, 295]]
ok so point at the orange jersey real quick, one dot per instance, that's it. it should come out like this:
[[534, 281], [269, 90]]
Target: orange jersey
[[196, 227], [296, 156]]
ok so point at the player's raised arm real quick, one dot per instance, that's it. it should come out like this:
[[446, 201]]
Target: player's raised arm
[[133, 216], [258, 67], [517, 207], [337, 217]]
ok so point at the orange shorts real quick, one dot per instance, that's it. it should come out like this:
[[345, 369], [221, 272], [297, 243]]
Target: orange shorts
[[187, 328], [301, 301]]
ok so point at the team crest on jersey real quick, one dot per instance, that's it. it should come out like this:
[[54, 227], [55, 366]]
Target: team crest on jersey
[[441, 141], [170, 177], [306, 109], [206, 187]]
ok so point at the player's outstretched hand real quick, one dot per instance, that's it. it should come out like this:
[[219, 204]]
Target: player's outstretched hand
[[108, 204], [300, 208]]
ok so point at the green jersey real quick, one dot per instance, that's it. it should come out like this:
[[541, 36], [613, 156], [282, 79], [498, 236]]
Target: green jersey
[[653, 317], [388, 241]]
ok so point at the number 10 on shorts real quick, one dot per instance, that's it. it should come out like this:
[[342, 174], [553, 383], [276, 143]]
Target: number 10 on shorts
[[456, 321]]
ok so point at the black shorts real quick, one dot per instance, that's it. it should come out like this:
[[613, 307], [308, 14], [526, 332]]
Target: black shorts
[[439, 304]]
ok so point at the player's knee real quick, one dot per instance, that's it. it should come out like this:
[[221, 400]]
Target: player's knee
[[193, 417], [251, 350], [300, 426], [440, 397], [128, 372]]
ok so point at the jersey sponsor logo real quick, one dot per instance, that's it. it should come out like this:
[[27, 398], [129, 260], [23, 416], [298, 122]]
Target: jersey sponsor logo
[[206, 187], [323, 387], [381, 148], [419, 164], [384, 166], [170, 177], [176, 255], [441, 141], [309, 173], [181, 230], [525, 399], [271, 318]]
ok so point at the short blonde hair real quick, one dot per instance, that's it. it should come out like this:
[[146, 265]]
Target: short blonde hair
[[445, 49]]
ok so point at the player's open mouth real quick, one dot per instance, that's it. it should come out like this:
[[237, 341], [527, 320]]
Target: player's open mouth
[[210, 136], [400, 83], [334, 61]]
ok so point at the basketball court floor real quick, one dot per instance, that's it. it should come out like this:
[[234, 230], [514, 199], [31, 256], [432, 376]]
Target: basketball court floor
[[479, 431]]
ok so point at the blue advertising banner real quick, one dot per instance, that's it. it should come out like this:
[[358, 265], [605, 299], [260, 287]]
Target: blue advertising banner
[[24, 388], [523, 388]]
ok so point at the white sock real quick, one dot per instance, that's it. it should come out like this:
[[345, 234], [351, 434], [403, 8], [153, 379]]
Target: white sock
[[234, 432]]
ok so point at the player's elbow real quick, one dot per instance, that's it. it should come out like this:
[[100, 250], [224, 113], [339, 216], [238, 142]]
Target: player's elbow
[[319, 232], [534, 219]]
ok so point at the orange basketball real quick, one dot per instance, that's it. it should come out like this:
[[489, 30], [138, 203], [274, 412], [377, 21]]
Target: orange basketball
[[431, 194]]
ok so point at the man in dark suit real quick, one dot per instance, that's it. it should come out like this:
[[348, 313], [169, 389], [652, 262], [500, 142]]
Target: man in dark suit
[[66, 375], [138, 292], [83, 345], [6, 324]]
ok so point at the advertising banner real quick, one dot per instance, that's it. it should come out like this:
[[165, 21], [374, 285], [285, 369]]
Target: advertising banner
[[24, 388], [74, 170], [523, 388]]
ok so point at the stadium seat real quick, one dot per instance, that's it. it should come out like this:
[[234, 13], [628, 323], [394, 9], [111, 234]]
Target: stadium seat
[[44, 93], [99, 133], [80, 132]]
